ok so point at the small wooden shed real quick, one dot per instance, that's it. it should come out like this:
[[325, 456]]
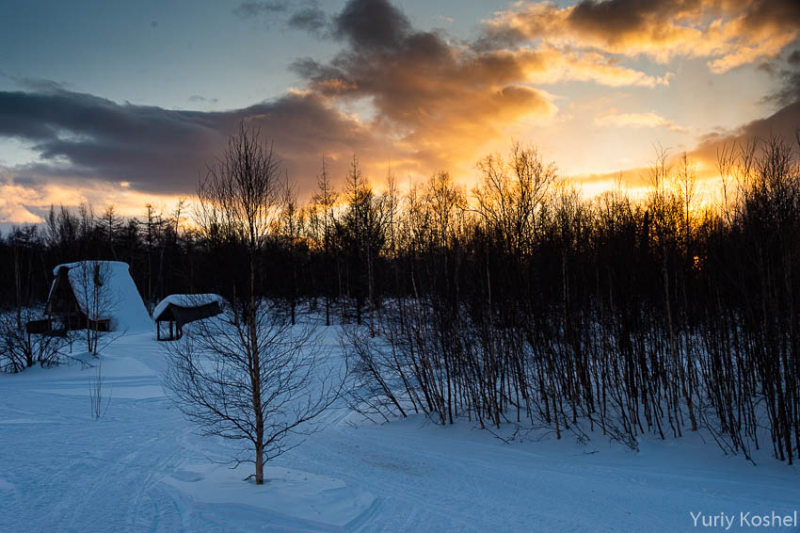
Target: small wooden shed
[[178, 310]]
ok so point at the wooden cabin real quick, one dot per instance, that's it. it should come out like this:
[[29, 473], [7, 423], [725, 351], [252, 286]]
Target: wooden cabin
[[95, 294], [177, 310]]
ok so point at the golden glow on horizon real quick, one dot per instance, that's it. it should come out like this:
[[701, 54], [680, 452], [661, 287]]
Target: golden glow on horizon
[[20, 204], [128, 203]]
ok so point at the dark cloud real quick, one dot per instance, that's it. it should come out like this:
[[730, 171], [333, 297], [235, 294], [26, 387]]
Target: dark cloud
[[790, 90], [36, 84], [783, 124], [372, 24], [309, 18], [730, 33], [24, 180], [617, 19], [442, 99], [41, 85], [788, 75], [164, 151], [772, 14], [614, 17], [768, 67], [197, 98], [305, 15], [248, 10]]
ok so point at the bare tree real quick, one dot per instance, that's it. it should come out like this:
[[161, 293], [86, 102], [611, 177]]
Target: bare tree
[[110, 225], [687, 184], [99, 402], [289, 223], [325, 200], [239, 195], [252, 378]]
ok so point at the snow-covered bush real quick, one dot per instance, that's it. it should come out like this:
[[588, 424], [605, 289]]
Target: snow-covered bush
[[20, 350]]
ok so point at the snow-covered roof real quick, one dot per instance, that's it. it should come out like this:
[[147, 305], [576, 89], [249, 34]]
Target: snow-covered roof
[[116, 298], [186, 300]]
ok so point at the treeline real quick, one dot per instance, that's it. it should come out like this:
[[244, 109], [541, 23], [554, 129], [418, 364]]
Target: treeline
[[534, 306], [519, 302]]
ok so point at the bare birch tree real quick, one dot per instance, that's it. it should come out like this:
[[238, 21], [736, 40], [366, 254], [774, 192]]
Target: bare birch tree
[[260, 381], [248, 376]]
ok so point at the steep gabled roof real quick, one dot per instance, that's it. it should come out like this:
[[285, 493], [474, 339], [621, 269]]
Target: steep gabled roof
[[110, 283]]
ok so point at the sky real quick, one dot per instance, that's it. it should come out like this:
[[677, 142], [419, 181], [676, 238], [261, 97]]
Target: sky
[[125, 103]]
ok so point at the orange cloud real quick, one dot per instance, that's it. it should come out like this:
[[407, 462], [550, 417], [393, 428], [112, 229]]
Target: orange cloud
[[636, 120], [439, 104], [729, 33], [549, 65]]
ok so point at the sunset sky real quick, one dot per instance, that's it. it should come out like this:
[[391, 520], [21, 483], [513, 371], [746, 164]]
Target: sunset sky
[[111, 102]]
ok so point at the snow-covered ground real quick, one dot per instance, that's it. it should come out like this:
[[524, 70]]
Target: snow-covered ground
[[142, 468]]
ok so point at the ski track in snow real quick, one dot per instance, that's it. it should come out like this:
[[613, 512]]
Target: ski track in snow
[[60, 470]]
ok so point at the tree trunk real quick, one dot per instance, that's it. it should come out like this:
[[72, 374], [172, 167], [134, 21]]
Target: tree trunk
[[259, 465]]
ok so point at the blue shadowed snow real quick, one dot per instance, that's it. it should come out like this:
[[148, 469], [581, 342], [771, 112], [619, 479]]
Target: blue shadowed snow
[[142, 468]]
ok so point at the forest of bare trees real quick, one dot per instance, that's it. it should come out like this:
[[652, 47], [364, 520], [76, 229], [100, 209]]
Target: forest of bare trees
[[520, 302]]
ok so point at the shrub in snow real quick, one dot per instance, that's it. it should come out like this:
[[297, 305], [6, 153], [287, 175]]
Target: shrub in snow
[[20, 350]]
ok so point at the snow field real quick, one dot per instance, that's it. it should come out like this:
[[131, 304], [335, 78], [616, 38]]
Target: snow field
[[141, 467]]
